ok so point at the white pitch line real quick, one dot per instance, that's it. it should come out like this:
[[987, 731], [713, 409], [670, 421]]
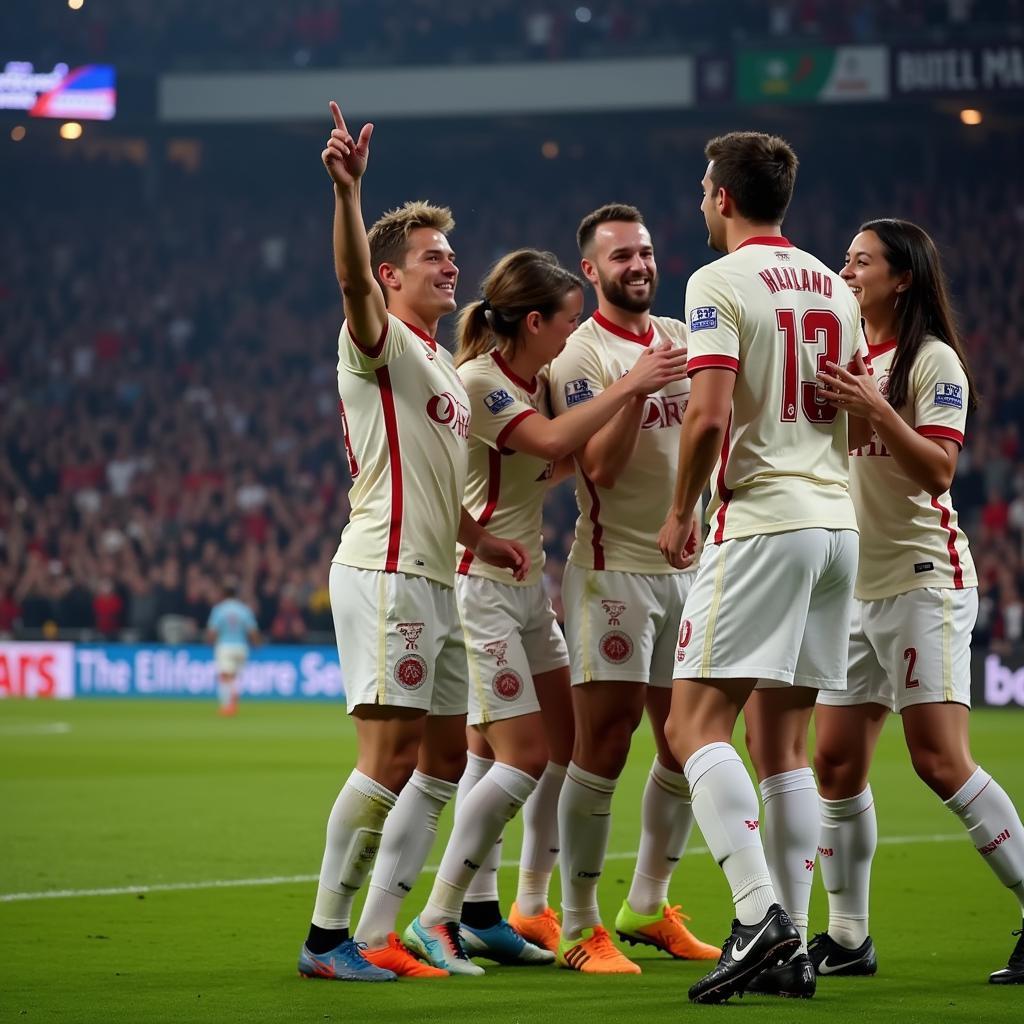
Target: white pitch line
[[240, 883]]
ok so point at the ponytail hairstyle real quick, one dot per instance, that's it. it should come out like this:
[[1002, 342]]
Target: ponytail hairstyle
[[523, 282], [924, 309]]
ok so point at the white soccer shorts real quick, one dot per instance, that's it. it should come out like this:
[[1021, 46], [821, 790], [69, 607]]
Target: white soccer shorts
[[775, 607], [229, 659], [511, 636], [914, 648], [621, 625], [399, 640]]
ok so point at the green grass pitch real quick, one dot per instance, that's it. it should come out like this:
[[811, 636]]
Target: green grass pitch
[[106, 795]]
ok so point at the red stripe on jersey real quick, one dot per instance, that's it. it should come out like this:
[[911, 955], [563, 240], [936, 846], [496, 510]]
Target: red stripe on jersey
[[421, 334], [620, 332], [493, 491], [777, 240], [874, 351], [723, 492], [945, 433], [372, 350], [595, 518], [387, 401], [526, 385], [511, 425], [954, 557], [715, 361]]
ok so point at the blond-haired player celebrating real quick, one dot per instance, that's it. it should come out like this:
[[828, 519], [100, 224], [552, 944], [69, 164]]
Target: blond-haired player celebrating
[[406, 422], [917, 591], [622, 603], [518, 664], [771, 603]]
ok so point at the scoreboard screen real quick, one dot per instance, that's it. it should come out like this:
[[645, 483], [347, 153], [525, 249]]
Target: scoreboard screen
[[86, 93]]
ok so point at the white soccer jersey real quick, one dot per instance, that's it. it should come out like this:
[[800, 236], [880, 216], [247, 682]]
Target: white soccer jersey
[[618, 528], [405, 416], [504, 489], [774, 314], [908, 539]]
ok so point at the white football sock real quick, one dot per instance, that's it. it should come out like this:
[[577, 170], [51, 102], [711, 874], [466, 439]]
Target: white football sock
[[540, 841], [484, 886], [492, 804], [849, 836], [726, 808], [666, 820], [353, 838], [584, 821], [994, 826], [409, 833], [792, 825], [225, 691]]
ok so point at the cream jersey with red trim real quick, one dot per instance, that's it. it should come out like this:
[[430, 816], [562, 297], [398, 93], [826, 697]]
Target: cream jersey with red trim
[[618, 527], [504, 489], [405, 415], [774, 315], [908, 539]]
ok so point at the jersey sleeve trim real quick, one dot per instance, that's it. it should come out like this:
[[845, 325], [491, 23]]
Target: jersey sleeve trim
[[371, 351], [511, 425], [946, 433], [713, 361]]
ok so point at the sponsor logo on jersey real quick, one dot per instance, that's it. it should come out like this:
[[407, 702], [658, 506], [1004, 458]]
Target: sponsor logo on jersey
[[664, 411], [883, 386], [498, 400], [923, 566], [949, 394], [614, 609], [411, 631], [577, 391], [507, 685], [447, 410], [496, 649], [616, 647], [410, 672], [782, 257], [704, 318]]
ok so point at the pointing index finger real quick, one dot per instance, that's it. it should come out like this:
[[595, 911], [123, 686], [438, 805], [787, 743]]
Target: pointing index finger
[[339, 121]]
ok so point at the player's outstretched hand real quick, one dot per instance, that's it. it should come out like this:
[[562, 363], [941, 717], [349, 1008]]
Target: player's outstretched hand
[[505, 554], [655, 368], [678, 540], [345, 158], [856, 394]]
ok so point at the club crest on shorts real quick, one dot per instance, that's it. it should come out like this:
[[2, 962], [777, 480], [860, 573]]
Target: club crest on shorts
[[410, 672], [507, 685], [614, 610], [685, 636], [616, 647], [411, 631], [496, 649]]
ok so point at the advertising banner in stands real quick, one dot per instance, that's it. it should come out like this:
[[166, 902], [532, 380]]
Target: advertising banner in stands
[[85, 93], [997, 680], [42, 670], [998, 68], [63, 670], [813, 74]]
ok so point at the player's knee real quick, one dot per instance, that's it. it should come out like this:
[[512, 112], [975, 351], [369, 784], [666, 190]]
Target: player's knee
[[936, 771]]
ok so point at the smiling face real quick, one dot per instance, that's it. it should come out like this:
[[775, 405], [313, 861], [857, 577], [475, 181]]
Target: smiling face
[[425, 283], [620, 265], [547, 337], [870, 277]]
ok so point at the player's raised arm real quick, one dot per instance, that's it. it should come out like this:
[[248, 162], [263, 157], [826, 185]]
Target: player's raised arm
[[345, 159]]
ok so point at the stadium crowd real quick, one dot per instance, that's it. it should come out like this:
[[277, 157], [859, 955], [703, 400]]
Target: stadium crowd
[[191, 34], [168, 398]]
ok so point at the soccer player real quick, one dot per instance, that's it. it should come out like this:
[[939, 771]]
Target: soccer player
[[917, 597], [406, 423], [771, 603], [622, 603], [231, 629], [518, 663]]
